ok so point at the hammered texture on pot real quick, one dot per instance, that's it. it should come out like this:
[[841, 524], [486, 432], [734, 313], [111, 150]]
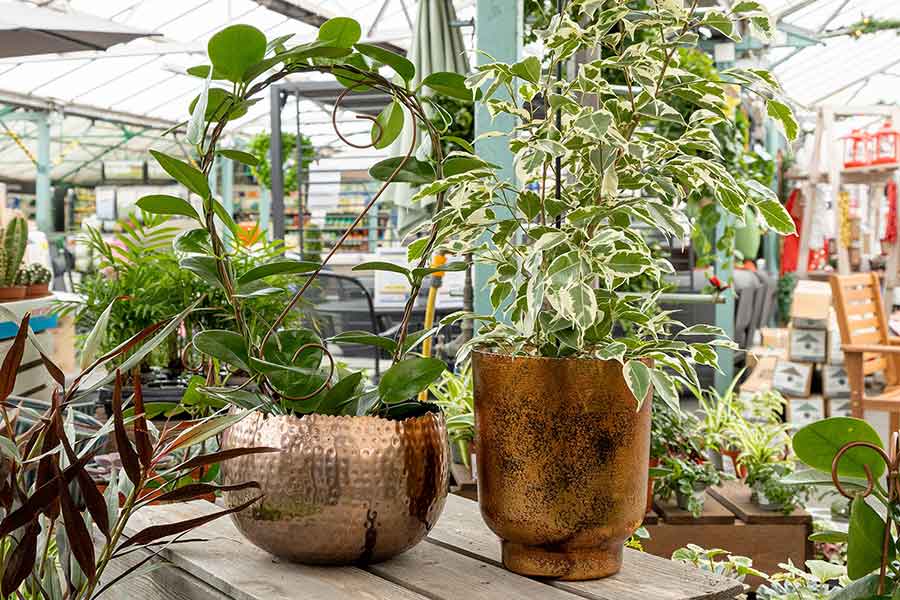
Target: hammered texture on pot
[[343, 489], [563, 457]]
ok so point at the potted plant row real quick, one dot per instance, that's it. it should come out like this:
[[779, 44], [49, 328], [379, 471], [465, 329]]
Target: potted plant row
[[13, 241]]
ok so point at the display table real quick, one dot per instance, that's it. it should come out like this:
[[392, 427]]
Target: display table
[[460, 559], [732, 522]]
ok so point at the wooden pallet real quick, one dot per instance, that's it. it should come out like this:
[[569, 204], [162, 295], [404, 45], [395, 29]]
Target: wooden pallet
[[732, 522]]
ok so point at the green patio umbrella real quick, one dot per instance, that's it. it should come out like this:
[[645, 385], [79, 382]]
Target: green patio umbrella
[[436, 46]]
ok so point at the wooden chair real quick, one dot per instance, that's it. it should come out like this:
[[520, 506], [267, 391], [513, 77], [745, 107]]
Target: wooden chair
[[867, 344]]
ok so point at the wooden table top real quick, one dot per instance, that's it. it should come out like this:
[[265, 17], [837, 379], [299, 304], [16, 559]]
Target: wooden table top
[[461, 557]]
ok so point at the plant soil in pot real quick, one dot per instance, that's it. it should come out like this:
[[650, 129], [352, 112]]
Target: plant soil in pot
[[343, 490], [563, 456]]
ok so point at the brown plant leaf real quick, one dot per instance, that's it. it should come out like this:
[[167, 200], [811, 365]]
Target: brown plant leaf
[[151, 534], [80, 541], [93, 499], [221, 456], [141, 435], [197, 490], [126, 452], [42, 498], [20, 562], [204, 430], [13, 359]]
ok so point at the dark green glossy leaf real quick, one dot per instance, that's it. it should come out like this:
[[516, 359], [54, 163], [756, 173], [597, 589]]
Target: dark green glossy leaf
[[414, 171], [340, 31], [241, 157], [226, 346], [202, 71], [203, 267], [193, 241], [162, 204], [277, 267], [189, 176], [220, 103], [364, 338], [283, 345], [405, 379], [449, 84], [819, 442], [401, 65], [865, 540], [339, 394], [235, 49], [378, 265], [388, 125]]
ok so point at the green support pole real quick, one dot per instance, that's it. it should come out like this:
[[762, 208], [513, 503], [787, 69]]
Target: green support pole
[[43, 209], [498, 36], [770, 247], [265, 209]]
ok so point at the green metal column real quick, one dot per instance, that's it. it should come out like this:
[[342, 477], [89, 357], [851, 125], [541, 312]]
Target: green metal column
[[498, 36], [770, 243], [265, 209], [43, 209]]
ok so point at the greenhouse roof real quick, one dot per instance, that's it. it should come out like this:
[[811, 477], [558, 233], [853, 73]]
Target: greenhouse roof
[[113, 105]]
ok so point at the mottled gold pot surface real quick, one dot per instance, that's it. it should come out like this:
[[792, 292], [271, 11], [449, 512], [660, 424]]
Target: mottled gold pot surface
[[344, 489], [562, 462]]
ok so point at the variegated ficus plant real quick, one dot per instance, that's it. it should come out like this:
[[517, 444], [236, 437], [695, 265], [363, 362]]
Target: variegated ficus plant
[[563, 263]]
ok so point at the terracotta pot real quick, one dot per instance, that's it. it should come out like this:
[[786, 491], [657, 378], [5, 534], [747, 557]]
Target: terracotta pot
[[36, 290], [739, 470], [343, 489], [11, 293], [562, 462]]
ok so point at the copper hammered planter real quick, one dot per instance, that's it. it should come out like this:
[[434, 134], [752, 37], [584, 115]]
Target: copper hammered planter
[[562, 462], [343, 490]]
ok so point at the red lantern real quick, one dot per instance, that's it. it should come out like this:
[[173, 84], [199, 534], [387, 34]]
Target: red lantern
[[855, 149], [886, 145]]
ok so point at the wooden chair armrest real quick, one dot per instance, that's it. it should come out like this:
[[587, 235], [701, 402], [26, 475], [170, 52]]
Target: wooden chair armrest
[[894, 340], [859, 348]]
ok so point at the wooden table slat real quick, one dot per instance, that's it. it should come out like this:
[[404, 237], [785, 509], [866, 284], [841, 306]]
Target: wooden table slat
[[735, 496], [713, 513], [460, 557], [644, 576]]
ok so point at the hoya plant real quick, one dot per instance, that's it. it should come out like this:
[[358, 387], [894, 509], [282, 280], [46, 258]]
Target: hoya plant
[[289, 370], [594, 179], [849, 454]]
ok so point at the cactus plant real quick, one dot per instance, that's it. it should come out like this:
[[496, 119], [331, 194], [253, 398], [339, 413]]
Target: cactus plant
[[15, 239], [23, 276], [3, 259]]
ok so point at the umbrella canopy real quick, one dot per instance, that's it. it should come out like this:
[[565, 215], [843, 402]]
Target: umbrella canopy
[[26, 29], [436, 46]]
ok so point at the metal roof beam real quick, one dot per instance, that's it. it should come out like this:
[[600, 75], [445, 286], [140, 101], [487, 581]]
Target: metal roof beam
[[311, 17], [83, 110], [125, 52], [856, 81]]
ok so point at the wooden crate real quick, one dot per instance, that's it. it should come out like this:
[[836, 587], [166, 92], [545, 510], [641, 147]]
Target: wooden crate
[[732, 522]]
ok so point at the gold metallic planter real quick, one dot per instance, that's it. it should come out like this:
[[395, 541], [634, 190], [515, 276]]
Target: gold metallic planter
[[344, 489], [562, 462]]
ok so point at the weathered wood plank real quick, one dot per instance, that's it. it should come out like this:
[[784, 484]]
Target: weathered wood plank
[[644, 576], [735, 496], [713, 513], [240, 570], [444, 574]]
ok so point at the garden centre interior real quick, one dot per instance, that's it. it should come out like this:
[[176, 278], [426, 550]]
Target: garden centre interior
[[396, 298]]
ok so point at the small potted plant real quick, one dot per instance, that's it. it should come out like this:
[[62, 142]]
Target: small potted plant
[[722, 417], [37, 279], [340, 437], [13, 241], [687, 480], [453, 393], [765, 461]]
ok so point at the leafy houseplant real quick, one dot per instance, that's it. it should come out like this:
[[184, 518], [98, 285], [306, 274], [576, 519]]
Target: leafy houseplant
[[13, 241], [37, 279], [453, 393], [763, 458], [563, 263], [849, 454], [50, 505], [687, 481], [291, 378]]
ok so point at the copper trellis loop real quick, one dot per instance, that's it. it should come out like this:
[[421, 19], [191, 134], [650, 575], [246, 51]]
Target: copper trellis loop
[[337, 105], [325, 383], [892, 462], [184, 360]]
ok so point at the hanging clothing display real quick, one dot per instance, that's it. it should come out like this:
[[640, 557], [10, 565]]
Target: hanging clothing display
[[818, 257], [890, 224]]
